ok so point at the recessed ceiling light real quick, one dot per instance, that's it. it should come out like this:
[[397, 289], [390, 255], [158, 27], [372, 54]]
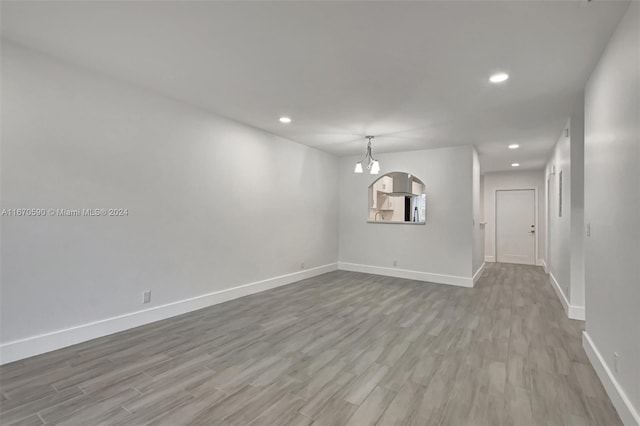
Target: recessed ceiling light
[[499, 77], [285, 120], [514, 146], [515, 164]]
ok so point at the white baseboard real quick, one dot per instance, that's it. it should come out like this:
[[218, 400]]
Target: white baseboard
[[478, 273], [542, 263], [576, 312], [573, 311], [560, 293], [489, 258], [407, 274], [621, 402], [35, 345]]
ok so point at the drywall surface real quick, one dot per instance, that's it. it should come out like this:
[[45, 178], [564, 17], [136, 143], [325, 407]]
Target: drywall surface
[[441, 247], [612, 206], [210, 204], [492, 182], [576, 135], [478, 229], [565, 240], [559, 168]]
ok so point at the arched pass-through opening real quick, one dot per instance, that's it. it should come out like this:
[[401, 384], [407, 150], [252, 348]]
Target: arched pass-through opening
[[397, 197]]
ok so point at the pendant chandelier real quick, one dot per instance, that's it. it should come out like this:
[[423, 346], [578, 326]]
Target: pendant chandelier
[[368, 161]]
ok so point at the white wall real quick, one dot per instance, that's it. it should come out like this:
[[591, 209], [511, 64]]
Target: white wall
[[205, 196], [566, 233], [559, 257], [441, 250], [576, 135], [526, 179], [478, 229], [612, 208], [482, 219]]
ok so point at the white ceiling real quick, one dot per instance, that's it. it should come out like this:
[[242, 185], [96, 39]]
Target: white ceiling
[[415, 74]]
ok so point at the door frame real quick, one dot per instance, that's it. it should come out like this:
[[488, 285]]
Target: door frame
[[536, 260]]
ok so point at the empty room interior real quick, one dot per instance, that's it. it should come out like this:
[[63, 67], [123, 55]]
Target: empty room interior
[[320, 213]]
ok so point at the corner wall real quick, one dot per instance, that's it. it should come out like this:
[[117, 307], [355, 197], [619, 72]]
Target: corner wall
[[478, 228], [559, 237], [566, 234], [577, 203], [612, 209], [216, 209], [441, 250]]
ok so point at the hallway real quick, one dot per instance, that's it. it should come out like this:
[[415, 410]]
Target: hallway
[[341, 348]]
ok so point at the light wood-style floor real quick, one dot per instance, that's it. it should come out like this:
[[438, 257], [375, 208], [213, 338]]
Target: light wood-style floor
[[342, 348]]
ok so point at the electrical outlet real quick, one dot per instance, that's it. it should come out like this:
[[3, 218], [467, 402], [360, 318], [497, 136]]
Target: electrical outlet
[[146, 296], [616, 362], [395, 263], [301, 265]]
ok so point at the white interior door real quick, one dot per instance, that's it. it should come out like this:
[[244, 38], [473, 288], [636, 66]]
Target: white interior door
[[515, 226]]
